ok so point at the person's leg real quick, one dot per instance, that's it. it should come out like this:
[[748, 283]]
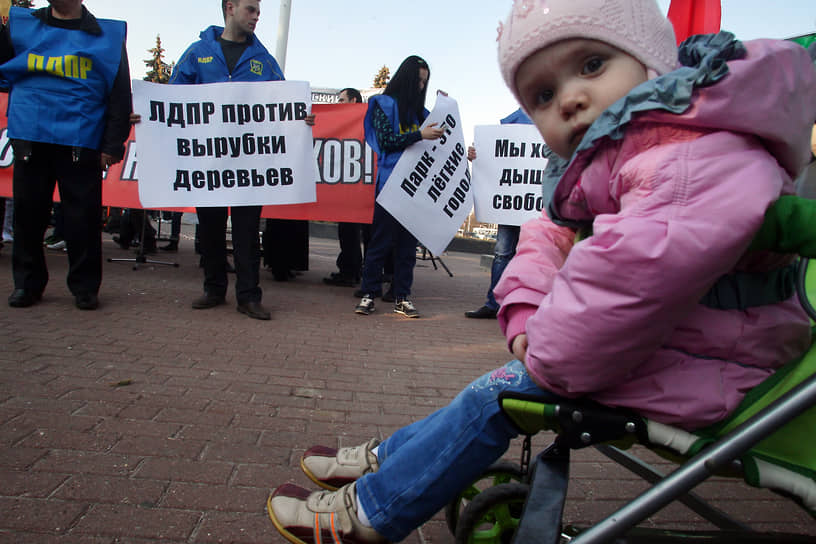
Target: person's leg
[[126, 232], [147, 232], [80, 187], [7, 213], [212, 229], [379, 247], [350, 259], [404, 262], [175, 226], [246, 253], [175, 232], [3, 214], [504, 250], [423, 466], [33, 181], [59, 221]]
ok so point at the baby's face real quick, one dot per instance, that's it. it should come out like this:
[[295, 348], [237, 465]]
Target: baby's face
[[567, 85]]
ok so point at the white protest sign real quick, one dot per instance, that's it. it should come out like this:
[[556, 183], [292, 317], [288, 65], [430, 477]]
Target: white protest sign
[[429, 190], [224, 144], [507, 173]]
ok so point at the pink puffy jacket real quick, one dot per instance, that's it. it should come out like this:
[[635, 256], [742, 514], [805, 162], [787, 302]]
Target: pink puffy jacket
[[674, 205]]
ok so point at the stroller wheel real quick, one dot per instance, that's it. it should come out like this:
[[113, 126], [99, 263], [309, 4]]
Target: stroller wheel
[[500, 472], [493, 516]]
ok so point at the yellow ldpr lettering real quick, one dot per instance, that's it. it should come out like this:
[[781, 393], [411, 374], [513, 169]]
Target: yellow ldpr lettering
[[68, 66], [204, 60], [85, 66], [71, 66], [54, 66], [35, 62]]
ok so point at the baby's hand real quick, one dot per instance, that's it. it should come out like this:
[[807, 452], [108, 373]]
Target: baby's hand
[[520, 348]]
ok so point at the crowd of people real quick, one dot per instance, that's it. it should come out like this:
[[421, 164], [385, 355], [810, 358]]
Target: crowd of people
[[68, 154], [664, 163]]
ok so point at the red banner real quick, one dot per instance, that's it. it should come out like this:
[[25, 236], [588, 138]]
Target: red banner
[[691, 17], [345, 169]]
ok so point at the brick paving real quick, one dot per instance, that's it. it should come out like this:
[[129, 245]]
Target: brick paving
[[146, 421]]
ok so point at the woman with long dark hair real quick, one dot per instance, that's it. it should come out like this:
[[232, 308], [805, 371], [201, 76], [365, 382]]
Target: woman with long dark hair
[[392, 123]]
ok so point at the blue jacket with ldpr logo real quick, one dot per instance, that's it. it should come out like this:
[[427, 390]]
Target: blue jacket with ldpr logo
[[60, 79], [204, 62]]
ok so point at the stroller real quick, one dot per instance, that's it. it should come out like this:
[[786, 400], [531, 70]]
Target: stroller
[[767, 441]]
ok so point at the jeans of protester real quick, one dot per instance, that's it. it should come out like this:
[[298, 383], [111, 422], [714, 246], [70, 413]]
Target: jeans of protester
[[506, 240], [425, 465], [388, 235]]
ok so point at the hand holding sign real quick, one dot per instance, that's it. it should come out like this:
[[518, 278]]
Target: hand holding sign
[[5, 7], [428, 191]]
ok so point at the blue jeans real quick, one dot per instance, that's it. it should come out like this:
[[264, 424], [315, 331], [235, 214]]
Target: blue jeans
[[506, 240], [425, 465], [387, 236]]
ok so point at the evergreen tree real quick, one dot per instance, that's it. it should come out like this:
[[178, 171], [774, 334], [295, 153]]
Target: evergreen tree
[[23, 3], [382, 77], [158, 70]]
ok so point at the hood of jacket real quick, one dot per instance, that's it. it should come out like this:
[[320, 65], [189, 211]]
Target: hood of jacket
[[766, 88]]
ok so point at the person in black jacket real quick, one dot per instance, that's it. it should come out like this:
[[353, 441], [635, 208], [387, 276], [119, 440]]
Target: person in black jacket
[[69, 107]]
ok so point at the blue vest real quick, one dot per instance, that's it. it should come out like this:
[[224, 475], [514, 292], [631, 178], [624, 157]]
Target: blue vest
[[386, 160], [204, 62], [60, 80]]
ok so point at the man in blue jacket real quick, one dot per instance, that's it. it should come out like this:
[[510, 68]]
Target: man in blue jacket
[[231, 53], [68, 112]]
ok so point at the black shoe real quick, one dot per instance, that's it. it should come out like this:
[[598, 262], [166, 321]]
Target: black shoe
[[482, 313], [339, 279], [171, 246], [122, 243], [87, 301], [208, 301], [149, 249], [254, 310], [389, 296], [358, 293], [21, 298]]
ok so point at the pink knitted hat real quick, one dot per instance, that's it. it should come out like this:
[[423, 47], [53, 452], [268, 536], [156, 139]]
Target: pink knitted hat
[[634, 26]]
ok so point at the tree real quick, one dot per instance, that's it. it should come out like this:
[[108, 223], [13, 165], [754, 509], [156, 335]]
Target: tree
[[382, 77], [23, 3], [158, 70]]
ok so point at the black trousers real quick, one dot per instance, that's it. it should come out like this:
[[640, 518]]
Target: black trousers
[[246, 250], [350, 259], [286, 246], [78, 174], [130, 229]]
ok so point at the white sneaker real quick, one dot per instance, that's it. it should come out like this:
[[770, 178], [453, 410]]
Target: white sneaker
[[304, 517], [332, 468], [57, 245], [406, 308], [366, 305]]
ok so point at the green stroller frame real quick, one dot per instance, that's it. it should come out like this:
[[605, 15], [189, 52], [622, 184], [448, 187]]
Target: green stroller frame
[[760, 442]]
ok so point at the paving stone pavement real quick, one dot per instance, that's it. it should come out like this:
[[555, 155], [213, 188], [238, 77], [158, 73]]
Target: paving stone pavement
[[147, 421]]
